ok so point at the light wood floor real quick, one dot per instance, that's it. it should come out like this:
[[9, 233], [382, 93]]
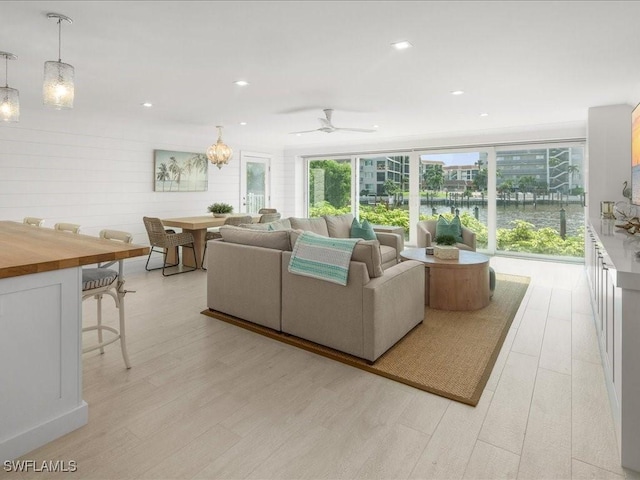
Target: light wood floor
[[205, 399]]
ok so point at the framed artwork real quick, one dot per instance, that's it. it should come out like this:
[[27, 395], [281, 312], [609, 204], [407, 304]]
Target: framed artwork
[[180, 171]]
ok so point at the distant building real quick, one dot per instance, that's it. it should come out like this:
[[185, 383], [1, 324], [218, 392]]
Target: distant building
[[559, 169], [375, 171]]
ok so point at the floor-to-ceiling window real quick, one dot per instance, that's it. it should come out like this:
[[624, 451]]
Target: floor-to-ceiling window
[[329, 190], [383, 189], [539, 199], [520, 199], [456, 183]]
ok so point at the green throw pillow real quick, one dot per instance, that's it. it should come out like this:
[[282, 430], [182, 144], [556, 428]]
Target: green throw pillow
[[444, 227], [362, 230]]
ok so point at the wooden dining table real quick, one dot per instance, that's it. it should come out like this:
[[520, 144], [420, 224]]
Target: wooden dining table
[[197, 226]]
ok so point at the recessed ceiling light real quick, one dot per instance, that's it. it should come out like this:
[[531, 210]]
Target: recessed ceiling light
[[241, 83], [298, 134], [402, 45], [147, 104], [375, 126], [243, 123], [457, 92], [484, 114]]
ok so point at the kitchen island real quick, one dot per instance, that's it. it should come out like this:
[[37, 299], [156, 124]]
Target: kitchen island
[[40, 331]]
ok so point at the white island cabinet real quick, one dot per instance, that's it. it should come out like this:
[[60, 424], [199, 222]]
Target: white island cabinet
[[613, 270], [40, 332]]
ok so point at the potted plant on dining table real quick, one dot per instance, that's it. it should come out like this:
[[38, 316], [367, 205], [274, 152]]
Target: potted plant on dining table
[[220, 209]]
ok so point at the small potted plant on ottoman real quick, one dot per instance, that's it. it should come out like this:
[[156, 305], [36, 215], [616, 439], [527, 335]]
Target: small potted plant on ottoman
[[445, 248], [220, 209]]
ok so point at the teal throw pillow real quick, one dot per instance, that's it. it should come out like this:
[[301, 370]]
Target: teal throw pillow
[[362, 230], [454, 228]]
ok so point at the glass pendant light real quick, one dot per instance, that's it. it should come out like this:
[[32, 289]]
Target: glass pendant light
[[9, 97], [219, 154], [58, 87]]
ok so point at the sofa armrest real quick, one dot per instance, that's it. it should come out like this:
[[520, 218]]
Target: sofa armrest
[[469, 238], [392, 240], [393, 304]]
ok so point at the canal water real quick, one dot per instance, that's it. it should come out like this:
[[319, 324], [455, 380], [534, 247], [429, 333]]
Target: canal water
[[541, 216]]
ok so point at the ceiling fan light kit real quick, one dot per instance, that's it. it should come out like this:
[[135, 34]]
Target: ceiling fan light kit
[[327, 127]]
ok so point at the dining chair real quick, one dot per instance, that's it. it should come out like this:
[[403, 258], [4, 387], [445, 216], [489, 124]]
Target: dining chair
[[33, 221], [214, 232], [102, 280], [267, 210], [159, 238], [67, 227], [269, 217]]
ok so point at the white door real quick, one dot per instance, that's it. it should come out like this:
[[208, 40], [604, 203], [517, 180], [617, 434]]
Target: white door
[[254, 181]]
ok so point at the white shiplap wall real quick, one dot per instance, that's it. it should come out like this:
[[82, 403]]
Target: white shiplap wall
[[102, 177]]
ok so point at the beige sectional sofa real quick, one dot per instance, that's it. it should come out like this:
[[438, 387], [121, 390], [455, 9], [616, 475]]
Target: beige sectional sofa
[[248, 278]]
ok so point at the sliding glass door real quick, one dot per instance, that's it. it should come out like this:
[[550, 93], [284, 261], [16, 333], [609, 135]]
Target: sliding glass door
[[330, 187], [383, 190], [456, 183], [540, 198], [523, 200]]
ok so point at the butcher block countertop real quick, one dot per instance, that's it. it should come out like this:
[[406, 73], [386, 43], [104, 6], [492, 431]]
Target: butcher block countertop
[[25, 249]]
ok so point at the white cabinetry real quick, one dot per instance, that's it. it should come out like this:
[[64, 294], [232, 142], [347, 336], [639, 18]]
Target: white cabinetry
[[614, 277], [41, 376]]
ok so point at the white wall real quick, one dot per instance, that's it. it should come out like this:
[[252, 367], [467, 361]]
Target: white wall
[[101, 175], [608, 154]]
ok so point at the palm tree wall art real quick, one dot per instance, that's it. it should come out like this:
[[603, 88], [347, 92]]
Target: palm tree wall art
[[180, 171]]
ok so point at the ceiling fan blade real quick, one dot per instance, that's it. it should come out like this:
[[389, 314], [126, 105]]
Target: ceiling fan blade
[[325, 123], [363, 130], [304, 131]]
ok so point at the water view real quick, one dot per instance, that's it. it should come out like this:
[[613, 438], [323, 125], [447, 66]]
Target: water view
[[541, 216]]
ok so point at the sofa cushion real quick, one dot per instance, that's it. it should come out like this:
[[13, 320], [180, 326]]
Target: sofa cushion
[[339, 226], [278, 240], [388, 254], [368, 252], [316, 225], [283, 224], [362, 230]]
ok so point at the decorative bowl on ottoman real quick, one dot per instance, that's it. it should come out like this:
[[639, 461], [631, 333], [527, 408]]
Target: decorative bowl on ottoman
[[446, 252]]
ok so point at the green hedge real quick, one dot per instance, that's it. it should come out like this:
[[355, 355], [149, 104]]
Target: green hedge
[[523, 237]]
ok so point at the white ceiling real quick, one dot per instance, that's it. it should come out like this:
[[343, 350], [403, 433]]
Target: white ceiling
[[524, 63]]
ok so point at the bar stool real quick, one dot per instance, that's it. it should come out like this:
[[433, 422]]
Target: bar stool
[[100, 281], [67, 227], [33, 221]]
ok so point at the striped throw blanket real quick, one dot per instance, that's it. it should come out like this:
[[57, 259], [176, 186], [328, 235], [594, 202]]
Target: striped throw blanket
[[322, 257]]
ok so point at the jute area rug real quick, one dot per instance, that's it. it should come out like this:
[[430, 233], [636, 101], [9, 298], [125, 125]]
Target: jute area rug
[[450, 354]]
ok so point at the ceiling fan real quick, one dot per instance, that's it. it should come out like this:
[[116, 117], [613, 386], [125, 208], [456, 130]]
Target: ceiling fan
[[328, 127]]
